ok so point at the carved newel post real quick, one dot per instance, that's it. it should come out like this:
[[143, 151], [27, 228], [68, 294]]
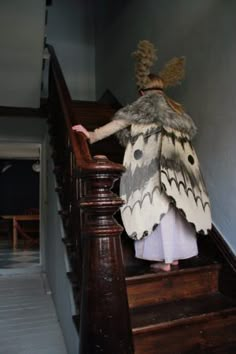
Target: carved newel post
[[104, 313]]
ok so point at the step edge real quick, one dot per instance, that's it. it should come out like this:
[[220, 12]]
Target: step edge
[[151, 276], [182, 321]]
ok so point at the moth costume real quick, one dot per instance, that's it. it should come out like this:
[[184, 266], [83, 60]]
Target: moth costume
[[163, 184], [166, 201]]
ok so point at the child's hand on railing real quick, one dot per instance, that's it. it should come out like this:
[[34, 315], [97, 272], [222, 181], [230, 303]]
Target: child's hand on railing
[[80, 129], [90, 135]]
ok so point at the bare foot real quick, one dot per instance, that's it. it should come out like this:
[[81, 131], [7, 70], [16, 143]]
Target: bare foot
[[175, 263], [160, 266]]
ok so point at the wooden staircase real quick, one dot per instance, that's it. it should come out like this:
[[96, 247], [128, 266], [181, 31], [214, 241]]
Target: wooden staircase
[[177, 312], [190, 310]]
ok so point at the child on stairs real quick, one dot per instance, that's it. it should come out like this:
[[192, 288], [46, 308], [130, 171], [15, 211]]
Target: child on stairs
[[166, 201]]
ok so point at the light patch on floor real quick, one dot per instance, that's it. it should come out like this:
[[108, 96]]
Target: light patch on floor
[[19, 258]]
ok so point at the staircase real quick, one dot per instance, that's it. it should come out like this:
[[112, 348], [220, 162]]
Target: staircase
[[190, 310], [177, 312]]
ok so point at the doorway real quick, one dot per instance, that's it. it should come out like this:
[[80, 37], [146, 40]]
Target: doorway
[[19, 207]]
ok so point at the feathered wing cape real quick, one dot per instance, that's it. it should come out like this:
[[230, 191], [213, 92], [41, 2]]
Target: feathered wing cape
[[161, 167]]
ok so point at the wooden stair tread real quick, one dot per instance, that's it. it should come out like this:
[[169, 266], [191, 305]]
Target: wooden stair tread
[[90, 104], [98, 109], [161, 315], [92, 114], [153, 288], [141, 267], [92, 108], [146, 275]]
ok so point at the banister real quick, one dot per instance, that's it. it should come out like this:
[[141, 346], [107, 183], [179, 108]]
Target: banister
[[93, 235]]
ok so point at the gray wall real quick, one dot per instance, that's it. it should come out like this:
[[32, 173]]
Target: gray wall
[[57, 266], [70, 30], [21, 46], [203, 31], [22, 130]]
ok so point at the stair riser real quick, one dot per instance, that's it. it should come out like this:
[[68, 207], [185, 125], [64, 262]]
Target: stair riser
[[175, 286], [188, 338]]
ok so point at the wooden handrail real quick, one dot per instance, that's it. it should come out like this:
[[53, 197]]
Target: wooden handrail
[[93, 235]]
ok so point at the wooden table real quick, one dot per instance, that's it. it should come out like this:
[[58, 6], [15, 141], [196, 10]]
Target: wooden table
[[15, 218]]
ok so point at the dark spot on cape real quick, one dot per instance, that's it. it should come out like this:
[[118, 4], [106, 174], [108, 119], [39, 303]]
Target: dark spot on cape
[[191, 159], [138, 154]]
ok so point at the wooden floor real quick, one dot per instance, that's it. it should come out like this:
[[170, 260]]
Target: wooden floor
[[28, 322]]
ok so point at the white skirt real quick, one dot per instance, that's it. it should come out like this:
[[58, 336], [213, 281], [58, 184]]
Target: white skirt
[[173, 239]]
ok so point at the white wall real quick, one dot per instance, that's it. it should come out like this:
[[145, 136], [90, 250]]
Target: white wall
[[203, 31], [21, 46], [70, 30]]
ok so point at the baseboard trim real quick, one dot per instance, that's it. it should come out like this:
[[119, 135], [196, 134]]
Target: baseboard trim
[[223, 248]]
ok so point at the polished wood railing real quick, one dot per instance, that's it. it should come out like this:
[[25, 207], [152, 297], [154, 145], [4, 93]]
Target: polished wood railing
[[84, 186]]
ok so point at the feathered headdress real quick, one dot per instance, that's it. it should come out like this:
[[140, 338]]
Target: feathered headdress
[[145, 57]]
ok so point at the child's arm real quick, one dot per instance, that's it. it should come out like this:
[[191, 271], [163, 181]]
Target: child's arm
[[104, 131]]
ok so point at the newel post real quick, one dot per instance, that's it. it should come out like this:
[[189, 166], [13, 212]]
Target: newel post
[[104, 313]]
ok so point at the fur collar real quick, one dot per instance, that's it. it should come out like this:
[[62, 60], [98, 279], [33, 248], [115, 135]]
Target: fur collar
[[153, 108]]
